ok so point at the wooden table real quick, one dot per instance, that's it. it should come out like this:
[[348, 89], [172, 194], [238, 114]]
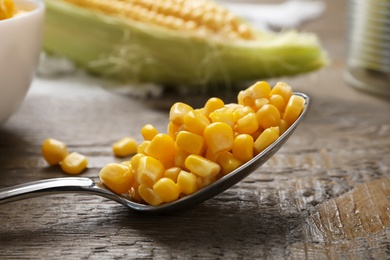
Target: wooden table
[[324, 195]]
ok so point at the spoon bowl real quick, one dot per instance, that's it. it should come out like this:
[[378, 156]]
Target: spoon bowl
[[95, 187]]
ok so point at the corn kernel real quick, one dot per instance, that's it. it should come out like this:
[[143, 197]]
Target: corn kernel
[[224, 115], [282, 89], [172, 173], [258, 132], [278, 101], [293, 109], [268, 116], [245, 98], [127, 163], [142, 147], [173, 129], [228, 162], [149, 171], [203, 182], [190, 142], [210, 155], [54, 151], [148, 132], [243, 147], [260, 89], [125, 147], [283, 126], [241, 111], [195, 121], [133, 192], [74, 163], [247, 124], [187, 182], [213, 104], [117, 177], [219, 137], [149, 195], [259, 102], [162, 147], [178, 111], [167, 189], [134, 161], [201, 166], [180, 157], [267, 137]]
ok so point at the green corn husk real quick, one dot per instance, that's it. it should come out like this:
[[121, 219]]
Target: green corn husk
[[135, 51]]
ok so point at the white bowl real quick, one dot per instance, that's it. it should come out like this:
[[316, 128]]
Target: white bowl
[[20, 46]]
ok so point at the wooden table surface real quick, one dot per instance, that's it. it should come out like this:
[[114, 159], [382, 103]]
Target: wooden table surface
[[324, 195]]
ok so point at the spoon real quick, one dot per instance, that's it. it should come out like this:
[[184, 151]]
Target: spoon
[[95, 187]]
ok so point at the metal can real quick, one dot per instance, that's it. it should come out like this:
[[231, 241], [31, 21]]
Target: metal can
[[368, 62]]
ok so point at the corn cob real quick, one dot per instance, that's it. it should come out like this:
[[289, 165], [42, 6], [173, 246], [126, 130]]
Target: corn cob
[[175, 42]]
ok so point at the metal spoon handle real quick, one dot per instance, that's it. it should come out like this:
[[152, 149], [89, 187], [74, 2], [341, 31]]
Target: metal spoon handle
[[53, 186]]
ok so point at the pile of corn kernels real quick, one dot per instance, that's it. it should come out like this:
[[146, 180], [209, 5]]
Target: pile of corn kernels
[[200, 146]]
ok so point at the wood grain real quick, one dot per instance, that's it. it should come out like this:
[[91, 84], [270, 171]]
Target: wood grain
[[324, 195]]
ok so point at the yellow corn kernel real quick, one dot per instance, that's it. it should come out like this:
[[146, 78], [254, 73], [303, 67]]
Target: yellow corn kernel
[[182, 128], [173, 129], [117, 177], [190, 142], [268, 116], [228, 162], [245, 98], [212, 104], [219, 137], [195, 121], [133, 192], [210, 155], [134, 161], [142, 147], [54, 151], [7, 9], [278, 101], [260, 89], [267, 137], [149, 195], [74, 163], [258, 132], [178, 111], [125, 147], [149, 171], [172, 173], [187, 182], [162, 147], [282, 89], [247, 124], [167, 189], [283, 126], [127, 163], [224, 115], [293, 109], [243, 147], [259, 102], [203, 182], [148, 132], [201, 166], [241, 111], [180, 157]]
